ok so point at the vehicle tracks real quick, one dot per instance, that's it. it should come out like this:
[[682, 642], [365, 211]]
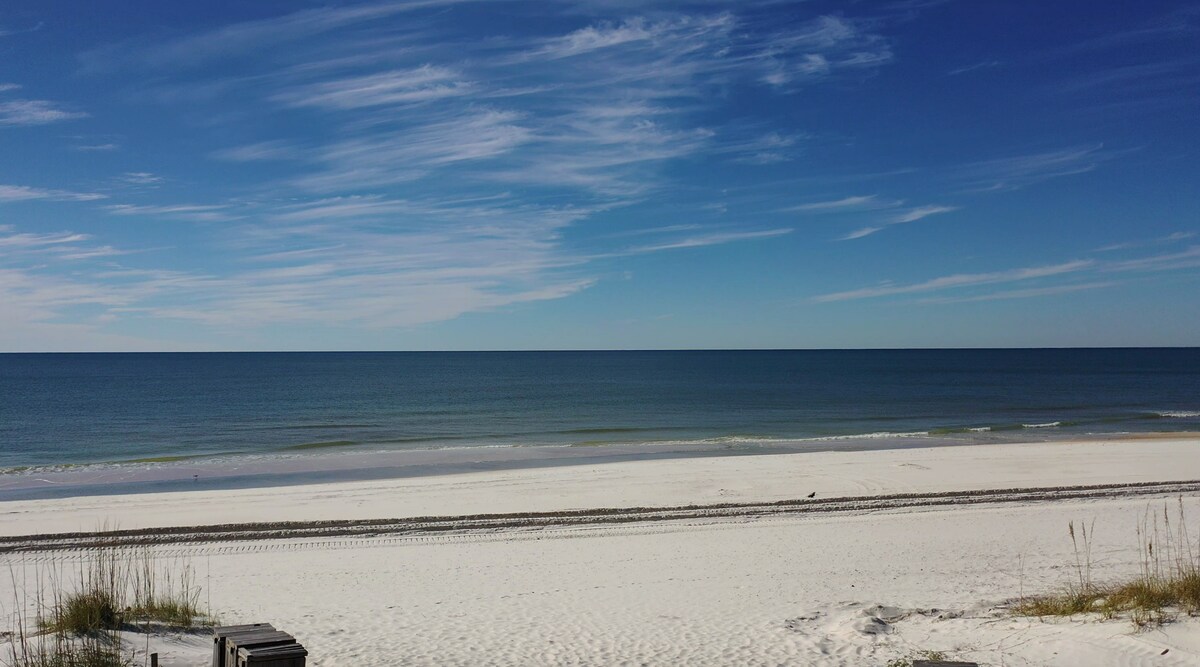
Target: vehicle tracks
[[503, 526]]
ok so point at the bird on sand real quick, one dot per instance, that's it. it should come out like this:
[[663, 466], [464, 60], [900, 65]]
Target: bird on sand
[[812, 495]]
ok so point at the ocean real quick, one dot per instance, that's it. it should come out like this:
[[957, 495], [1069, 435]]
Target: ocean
[[181, 412]]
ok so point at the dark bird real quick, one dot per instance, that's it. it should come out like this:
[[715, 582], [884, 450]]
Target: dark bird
[[812, 495]]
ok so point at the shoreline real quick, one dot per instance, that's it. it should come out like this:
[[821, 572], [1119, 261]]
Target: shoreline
[[285, 469], [581, 483]]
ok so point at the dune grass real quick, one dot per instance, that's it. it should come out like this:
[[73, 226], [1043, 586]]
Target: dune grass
[[908, 660], [80, 617], [1167, 585], [119, 587]]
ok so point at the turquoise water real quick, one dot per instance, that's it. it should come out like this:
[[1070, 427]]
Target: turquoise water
[[58, 409]]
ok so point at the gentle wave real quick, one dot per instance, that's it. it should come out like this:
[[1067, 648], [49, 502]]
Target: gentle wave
[[310, 427], [332, 444], [122, 463], [766, 439], [476, 437], [602, 431], [165, 459], [999, 428], [476, 440], [867, 436], [321, 445]]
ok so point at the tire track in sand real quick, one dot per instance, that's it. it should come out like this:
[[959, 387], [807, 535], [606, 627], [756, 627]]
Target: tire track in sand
[[437, 528]]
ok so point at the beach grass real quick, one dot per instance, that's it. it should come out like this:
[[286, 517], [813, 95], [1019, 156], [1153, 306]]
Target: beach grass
[[80, 617], [120, 587], [907, 661], [1167, 585]]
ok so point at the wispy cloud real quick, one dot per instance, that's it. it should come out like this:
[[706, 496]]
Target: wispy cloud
[[193, 212], [1176, 24], [140, 178], [822, 47], [1174, 261], [422, 173], [911, 215], [90, 148], [1030, 293], [393, 156], [765, 149], [601, 149], [35, 112], [1155, 76], [922, 212], [1185, 259], [860, 204], [420, 84], [1173, 237], [239, 38], [582, 110], [665, 229], [6, 31], [861, 232], [342, 207], [259, 151], [595, 37], [10, 193], [366, 261], [28, 240], [852, 203], [711, 239], [1019, 171], [983, 65], [64, 246], [958, 280]]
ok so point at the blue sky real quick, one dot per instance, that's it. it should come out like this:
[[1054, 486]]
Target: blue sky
[[447, 174]]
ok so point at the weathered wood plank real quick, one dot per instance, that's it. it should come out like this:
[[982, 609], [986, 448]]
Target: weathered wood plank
[[256, 644], [260, 638], [289, 655], [222, 633]]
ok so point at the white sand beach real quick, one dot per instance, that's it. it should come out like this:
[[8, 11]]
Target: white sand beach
[[859, 584]]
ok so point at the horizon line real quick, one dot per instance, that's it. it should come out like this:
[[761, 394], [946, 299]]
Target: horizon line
[[579, 350]]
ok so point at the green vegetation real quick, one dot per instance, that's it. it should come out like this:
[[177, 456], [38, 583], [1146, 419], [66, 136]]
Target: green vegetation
[[114, 590], [119, 588], [1168, 584], [919, 655], [87, 652]]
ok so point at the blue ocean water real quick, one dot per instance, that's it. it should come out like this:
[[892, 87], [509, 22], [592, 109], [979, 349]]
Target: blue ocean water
[[60, 409]]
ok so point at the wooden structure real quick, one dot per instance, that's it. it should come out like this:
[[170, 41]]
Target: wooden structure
[[222, 633], [257, 644], [285, 655]]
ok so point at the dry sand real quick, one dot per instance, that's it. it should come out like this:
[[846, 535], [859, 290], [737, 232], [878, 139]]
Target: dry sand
[[859, 586]]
